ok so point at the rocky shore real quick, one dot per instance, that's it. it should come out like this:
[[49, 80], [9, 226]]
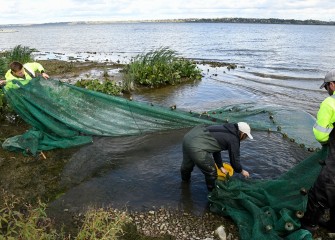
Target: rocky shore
[[182, 225]]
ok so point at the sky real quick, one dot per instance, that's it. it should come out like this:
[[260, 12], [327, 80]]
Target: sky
[[49, 11]]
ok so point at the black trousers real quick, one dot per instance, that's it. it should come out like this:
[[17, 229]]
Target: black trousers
[[322, 195]]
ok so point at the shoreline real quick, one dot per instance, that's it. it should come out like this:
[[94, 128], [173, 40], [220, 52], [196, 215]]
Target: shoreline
[[33, 178], [190, 20]]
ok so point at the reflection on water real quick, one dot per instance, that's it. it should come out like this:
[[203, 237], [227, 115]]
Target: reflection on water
[[140, 172]]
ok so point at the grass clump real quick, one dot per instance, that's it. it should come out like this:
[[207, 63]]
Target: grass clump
[[20, 54], [3, 67], [107, 86], [57, 67], [5, 108], [22, 221], [158, 68], [103, 224], [3, 104]]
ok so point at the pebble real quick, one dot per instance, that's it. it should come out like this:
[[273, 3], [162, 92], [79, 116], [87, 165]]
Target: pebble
[[181, 225]]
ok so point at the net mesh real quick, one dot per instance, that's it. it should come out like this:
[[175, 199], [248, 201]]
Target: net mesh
[[269, 209], [63, 115]]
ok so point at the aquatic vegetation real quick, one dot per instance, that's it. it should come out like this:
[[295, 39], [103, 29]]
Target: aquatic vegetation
[[215, 64], [159, 67], [105, 73], [58, 67], [107, 86]]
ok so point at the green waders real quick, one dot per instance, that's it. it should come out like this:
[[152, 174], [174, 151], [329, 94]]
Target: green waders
[[198, 146]]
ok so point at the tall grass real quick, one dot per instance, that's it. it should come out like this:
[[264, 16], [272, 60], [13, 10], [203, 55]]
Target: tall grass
[[25, 222], [102, 224], [22, 221], [159, 67], [3, 67], [3, 104], [20, 54]]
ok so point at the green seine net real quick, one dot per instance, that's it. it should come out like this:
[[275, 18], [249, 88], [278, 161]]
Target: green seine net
[[268, 209], [62, 116]]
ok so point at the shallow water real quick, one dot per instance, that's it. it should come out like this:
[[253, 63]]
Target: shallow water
[[279, 65], [283, 63], [142, 172]]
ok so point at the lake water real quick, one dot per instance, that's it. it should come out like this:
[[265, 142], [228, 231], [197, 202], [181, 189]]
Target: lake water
[[285, 62], [281, 65]]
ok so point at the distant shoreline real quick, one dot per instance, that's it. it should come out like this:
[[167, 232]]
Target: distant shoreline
[[192, 20]]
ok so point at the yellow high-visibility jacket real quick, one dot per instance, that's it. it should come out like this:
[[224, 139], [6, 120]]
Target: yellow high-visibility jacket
[[325, 120], [30, 69]]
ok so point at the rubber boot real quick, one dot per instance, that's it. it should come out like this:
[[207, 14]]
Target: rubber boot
[[312, 215], [185, 176], [210, 182], [330, 224]]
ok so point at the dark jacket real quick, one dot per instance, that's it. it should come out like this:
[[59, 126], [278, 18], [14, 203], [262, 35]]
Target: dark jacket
[[227, 136]]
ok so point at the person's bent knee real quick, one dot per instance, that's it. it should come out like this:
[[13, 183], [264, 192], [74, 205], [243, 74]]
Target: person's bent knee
[[210, 181]]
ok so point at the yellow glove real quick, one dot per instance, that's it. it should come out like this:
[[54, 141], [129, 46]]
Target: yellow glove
[[227, 167]]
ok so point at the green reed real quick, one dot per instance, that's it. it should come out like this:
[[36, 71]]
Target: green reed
[[20, 54], [158, 68]]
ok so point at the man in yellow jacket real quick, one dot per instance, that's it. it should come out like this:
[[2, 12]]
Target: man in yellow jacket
[[322, 195], [22, 73]]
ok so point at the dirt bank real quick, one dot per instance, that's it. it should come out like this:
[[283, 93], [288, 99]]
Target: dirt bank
[[30, 177]]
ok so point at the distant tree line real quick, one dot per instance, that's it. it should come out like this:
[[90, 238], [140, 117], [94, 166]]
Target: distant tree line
[[261, 20], [200, 20]]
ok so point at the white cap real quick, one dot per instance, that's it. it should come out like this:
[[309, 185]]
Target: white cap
[[245, 128]]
